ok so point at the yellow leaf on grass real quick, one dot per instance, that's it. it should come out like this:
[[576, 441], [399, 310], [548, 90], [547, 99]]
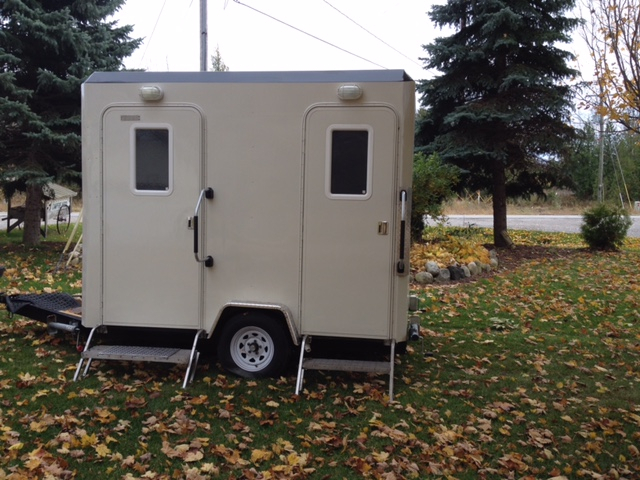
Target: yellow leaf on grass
[[380, 457], [38, 427], [89, 440], [258, 455], [41, 393], [635, 418], [254, 411], [32, 464], [315, 426], [210, 468], [193, 456], [182, 448], [448, 452], [199, 400], [294, 459], [104, 415], [102, 450]]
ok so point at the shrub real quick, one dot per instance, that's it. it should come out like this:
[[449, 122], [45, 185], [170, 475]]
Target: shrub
[[605, 227], [433, 183]]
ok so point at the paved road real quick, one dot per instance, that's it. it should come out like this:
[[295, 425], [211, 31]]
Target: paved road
[[541, 223], [52, 223]]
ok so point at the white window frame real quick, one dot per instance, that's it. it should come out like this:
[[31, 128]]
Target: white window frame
[[133, 159], [328, 161]]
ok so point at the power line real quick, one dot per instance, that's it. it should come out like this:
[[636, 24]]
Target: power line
[[371, 33], [152, 32], [309, 34]]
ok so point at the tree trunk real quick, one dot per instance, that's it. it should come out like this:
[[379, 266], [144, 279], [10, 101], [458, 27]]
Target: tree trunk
[[32, 215], [500, 238]]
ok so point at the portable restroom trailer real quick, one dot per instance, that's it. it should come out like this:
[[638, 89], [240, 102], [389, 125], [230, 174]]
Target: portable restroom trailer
[[257, 208]]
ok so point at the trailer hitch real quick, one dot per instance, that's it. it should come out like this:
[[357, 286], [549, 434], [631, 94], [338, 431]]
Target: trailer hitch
[[53, 326]]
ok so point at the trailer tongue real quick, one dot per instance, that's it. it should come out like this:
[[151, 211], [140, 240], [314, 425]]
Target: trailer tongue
[[60, 311]]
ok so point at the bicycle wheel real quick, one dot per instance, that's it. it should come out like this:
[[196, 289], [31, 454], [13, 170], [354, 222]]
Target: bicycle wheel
[[63, 220]]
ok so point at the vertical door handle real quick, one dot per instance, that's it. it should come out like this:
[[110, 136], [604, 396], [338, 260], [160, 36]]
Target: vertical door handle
[[208, 260], [401, 267]]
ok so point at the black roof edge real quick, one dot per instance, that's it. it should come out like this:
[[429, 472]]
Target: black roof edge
[[330, 76]]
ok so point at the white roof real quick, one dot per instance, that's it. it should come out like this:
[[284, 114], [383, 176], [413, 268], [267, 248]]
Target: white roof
[[58, 191]]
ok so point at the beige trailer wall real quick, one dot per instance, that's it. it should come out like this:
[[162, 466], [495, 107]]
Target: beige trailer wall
[[253, 159]]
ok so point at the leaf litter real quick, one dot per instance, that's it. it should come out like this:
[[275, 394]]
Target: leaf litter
[[532, 371]]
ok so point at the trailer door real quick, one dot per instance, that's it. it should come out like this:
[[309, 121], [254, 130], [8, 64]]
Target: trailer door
[[349, 209], [152, 170]]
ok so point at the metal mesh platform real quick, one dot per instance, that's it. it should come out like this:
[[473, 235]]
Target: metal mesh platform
[[178, 356], [138, 354], [41, 306], [46, 301]]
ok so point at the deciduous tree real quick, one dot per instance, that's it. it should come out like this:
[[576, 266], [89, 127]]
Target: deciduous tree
[[579, 169], [612, 34]]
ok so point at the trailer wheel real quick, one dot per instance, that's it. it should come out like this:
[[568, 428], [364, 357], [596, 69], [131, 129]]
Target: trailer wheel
[[254, 345]]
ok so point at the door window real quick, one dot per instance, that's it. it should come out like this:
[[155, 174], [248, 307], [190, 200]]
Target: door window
[[152, 160], [348, 169]]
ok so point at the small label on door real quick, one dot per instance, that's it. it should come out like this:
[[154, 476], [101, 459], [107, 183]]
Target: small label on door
[[129, 118]]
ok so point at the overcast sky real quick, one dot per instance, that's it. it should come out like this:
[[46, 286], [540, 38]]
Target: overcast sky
[[258, 35], [254, 35]]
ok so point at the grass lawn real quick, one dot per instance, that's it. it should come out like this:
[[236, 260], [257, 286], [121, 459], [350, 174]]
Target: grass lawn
[[530, 372]]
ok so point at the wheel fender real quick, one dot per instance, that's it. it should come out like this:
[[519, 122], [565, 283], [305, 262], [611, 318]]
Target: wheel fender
[[231, 308]]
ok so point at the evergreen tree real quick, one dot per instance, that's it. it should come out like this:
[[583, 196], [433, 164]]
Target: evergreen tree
[[217, 63], [47, 49], [499, 109], [579, 169]]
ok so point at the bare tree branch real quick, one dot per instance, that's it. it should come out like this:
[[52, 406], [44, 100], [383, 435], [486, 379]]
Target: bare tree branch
[[612, 34]]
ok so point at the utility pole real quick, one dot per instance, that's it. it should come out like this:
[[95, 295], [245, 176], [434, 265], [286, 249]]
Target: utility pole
[[601, 156], [601, 162], [203, 35]]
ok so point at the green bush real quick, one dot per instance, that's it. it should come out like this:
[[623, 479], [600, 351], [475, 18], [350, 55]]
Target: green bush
[[605, 227], [433, 183]]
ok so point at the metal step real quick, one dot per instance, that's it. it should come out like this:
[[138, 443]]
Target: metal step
[[177, 356], [341, 365], [138, 354], [344, 365]]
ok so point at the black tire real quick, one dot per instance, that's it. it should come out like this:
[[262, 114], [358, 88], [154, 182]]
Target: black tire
[[63, 219], [254, 345]]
